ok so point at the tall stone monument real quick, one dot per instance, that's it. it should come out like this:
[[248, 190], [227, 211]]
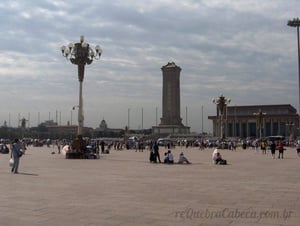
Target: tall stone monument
[[171, 122]]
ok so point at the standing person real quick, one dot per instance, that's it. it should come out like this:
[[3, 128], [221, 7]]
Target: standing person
[[280, 149], [263, 147], [156, 152], [102, 146], [58, 146], [255, 145], [298, 149], [16, 154], [273, 149]]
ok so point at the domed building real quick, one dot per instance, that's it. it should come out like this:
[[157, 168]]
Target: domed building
[[103, 126], [103, 130]]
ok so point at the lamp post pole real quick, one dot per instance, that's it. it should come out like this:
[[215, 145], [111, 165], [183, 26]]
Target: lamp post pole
[[80, 110], [81, 54], [289, 131], [221, 103], [296, 23], [260, 115]]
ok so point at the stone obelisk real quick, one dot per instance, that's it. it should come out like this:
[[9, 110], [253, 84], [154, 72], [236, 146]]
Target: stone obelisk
[[171, 122]]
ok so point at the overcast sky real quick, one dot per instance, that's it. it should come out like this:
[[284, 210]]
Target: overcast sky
[[242, 49]]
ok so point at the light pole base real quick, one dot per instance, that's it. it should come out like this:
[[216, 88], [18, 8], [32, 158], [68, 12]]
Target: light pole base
[[80, 150]]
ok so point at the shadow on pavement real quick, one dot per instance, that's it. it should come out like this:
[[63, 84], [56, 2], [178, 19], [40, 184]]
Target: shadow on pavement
[[28, 174]]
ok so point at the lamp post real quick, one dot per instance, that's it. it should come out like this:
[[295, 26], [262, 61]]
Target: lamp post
[[296, 23], [259, 121], [290, 131], [221, 103], [81, 54]]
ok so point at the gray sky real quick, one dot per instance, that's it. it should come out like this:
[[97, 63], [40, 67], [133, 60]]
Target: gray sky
[[241, 49]]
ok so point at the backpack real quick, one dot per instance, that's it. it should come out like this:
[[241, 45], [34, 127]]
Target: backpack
[[223, 162]]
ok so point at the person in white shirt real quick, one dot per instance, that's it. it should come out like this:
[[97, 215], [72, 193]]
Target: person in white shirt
[[170, 157], [217, 158], [182, 159]]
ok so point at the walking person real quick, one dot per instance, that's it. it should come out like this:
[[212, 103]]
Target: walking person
[[263, 147], [58, 146], [102, 144], [16, 153], [273, 149], [280, 149]]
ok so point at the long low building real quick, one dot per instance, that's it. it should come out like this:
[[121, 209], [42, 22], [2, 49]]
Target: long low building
[[256, 121]]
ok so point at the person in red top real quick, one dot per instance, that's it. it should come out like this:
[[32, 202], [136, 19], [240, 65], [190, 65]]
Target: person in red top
[[280, 149]]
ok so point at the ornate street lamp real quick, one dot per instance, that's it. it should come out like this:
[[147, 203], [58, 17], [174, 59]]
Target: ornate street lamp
[[221, 103], [259, 121], [81, 54], [296, 23]]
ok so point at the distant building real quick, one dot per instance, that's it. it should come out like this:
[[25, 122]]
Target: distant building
[[68, 129], [103, 126], [48, 123], [104, 130], [242, 121], [63, 130]]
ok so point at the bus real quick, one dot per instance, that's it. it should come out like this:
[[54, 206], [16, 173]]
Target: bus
[[276, 139]]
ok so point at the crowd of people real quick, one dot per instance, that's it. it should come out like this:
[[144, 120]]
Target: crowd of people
[[272, 146], [18, 149]]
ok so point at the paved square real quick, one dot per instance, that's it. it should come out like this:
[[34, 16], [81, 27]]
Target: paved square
[[123, 188]]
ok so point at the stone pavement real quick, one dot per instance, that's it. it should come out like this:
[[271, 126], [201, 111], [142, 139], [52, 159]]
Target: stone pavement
[[124, 189]]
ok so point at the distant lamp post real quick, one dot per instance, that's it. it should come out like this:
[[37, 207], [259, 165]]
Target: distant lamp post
[[290, 126], [23, 126], [221, 103], [296, 23], [81, 54], [259, 121]]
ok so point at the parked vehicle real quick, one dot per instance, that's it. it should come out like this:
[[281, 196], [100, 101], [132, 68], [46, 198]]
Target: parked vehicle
[[164, 142]]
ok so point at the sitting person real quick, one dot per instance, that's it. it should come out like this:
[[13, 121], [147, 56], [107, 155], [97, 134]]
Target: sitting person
[[169, 158], [182, 159], [166, 159], [214, 155], [217, 158]]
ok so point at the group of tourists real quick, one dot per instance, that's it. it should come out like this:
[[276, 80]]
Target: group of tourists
[[169, 157], [279, 146], [273, 146]]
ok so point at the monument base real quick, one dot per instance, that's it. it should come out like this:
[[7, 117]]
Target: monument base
[[171, 129]]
